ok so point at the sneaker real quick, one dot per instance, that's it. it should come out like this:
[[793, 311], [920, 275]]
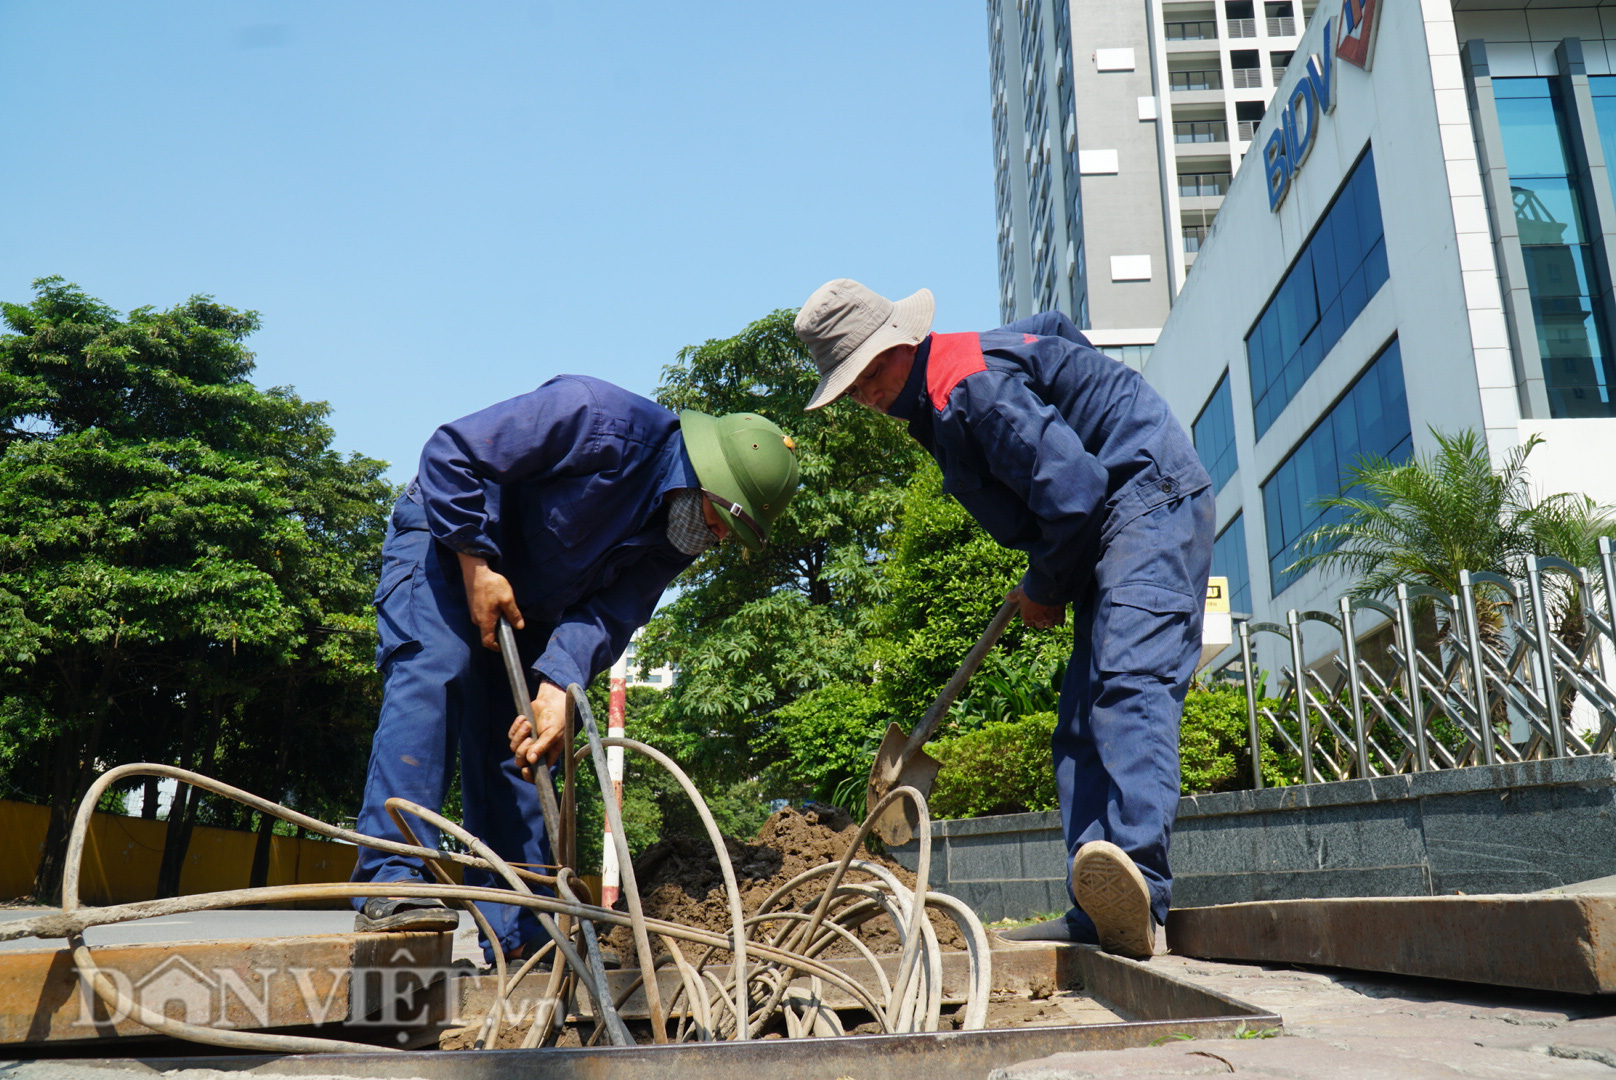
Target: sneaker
[[1111, 890], [387, 914]]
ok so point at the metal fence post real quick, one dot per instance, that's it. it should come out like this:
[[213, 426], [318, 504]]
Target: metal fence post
[[1411, 672], [1251, 705], [1545, 651], [1478, 672], [1301, 695], [1354, 687]]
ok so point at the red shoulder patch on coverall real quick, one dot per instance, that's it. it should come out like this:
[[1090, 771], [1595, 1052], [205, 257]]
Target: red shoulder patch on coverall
[[952, 358]]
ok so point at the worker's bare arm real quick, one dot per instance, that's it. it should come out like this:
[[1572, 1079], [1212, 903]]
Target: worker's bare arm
[[550, 710], [489, 596]]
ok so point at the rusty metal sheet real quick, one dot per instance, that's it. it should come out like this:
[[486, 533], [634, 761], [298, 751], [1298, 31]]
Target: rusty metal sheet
[[1164, 1005], [1535, 941], [867, 1057], [253, 984]]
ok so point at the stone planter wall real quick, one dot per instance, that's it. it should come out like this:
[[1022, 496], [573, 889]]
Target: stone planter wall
[[1489, 829]]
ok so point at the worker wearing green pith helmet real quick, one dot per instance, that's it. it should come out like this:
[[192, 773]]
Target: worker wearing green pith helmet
[[568, 510]]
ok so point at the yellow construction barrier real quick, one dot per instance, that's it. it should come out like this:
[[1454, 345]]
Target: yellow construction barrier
[[123, 854]]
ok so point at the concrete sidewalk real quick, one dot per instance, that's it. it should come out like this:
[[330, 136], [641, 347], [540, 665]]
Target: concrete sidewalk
[[230, 924], [1349, 1025]]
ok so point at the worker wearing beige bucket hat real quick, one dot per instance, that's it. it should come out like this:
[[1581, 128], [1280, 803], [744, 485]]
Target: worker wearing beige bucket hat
[[1070, 456], [846, 325]]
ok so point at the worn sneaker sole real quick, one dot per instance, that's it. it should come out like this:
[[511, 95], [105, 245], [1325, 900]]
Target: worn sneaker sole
[[1109, 887], [440, 920]]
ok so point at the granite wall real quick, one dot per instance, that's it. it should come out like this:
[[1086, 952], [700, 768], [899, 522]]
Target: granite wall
[[1489, 829]]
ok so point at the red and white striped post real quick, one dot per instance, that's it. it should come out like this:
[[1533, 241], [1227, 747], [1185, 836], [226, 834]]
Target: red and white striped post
[[616, 721]]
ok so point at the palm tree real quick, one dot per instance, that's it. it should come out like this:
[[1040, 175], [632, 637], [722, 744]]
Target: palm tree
[[1424, 520]]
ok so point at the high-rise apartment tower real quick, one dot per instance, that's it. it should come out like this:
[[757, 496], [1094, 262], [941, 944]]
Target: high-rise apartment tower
[[1117, 125]]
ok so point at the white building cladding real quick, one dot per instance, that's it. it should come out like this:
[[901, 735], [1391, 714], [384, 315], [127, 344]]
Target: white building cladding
[[1442, 258]]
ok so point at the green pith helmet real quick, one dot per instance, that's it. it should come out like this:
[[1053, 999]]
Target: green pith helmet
[[746, 467]]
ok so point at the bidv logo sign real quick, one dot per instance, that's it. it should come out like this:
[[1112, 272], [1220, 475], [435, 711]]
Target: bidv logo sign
[[1356, 45], [1311, 99]]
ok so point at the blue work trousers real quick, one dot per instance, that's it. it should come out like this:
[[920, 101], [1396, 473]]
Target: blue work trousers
[[445, 695], [1136, 642]]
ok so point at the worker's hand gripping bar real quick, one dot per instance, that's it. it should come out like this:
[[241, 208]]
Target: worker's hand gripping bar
[[517, 674]]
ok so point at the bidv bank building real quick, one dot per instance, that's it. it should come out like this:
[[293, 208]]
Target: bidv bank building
[[1422, 236]]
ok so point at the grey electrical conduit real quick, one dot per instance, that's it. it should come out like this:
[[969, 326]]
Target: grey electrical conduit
[[74, 920], [933, 951], [73, 923]]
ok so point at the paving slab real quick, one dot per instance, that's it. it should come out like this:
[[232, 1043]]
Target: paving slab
[[1341, 1025], [1561, 941]]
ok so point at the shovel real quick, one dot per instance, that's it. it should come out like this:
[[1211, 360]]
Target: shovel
[[900, 761]]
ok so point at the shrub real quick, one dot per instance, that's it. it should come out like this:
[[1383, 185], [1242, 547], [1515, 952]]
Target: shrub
[[1213, 742], [1004, 767], [1001, 768]]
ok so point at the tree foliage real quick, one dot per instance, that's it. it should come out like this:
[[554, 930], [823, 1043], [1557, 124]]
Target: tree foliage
[[751, 634], [873, 587], [185, 564]]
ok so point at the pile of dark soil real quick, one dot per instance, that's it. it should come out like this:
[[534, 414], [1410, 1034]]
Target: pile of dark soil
[[680, 881]]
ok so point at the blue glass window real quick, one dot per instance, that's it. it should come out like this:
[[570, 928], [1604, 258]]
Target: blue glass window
[[1229, 560], [1340, 267], [1214, 435], [1562, 276], [1370, 420]]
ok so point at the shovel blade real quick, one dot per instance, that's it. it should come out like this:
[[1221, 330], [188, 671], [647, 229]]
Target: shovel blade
[[897, 823]]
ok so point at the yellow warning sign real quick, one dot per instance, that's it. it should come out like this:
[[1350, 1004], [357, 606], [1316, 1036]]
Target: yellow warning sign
[[1217, 596]]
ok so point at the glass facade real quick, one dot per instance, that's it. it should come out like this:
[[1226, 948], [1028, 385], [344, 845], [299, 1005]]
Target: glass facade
[[1370, 420], [1229, 560], [1132, 355], [1213, 431], [1561, 273], [1342, 265]]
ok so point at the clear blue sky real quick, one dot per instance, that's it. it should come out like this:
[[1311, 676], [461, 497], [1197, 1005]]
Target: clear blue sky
[[438, 205]]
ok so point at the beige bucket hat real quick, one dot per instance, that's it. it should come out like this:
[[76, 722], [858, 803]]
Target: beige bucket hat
[[846, 325]]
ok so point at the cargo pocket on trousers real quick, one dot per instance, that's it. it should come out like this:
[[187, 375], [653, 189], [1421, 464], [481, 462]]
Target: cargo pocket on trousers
[[395, 611], [1148, 630]]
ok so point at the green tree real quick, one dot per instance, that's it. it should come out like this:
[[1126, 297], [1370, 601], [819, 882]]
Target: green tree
[[752, 634], [184, 562], [945, 580]]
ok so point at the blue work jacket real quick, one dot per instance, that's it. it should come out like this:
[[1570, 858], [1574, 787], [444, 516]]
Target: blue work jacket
[[1049, 444], [561, 489]]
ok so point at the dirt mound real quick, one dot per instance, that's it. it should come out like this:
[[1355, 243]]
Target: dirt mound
[[680, 880]]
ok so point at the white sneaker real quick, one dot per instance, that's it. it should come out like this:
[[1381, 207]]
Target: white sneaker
[[1111, 890]]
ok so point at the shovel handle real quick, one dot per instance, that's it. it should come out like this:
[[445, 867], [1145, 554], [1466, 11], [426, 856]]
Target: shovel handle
[[524, 705], [973, 660]]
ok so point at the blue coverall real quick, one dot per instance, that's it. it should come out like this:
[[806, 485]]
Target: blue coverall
[[561, 489], [1070, 456]]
